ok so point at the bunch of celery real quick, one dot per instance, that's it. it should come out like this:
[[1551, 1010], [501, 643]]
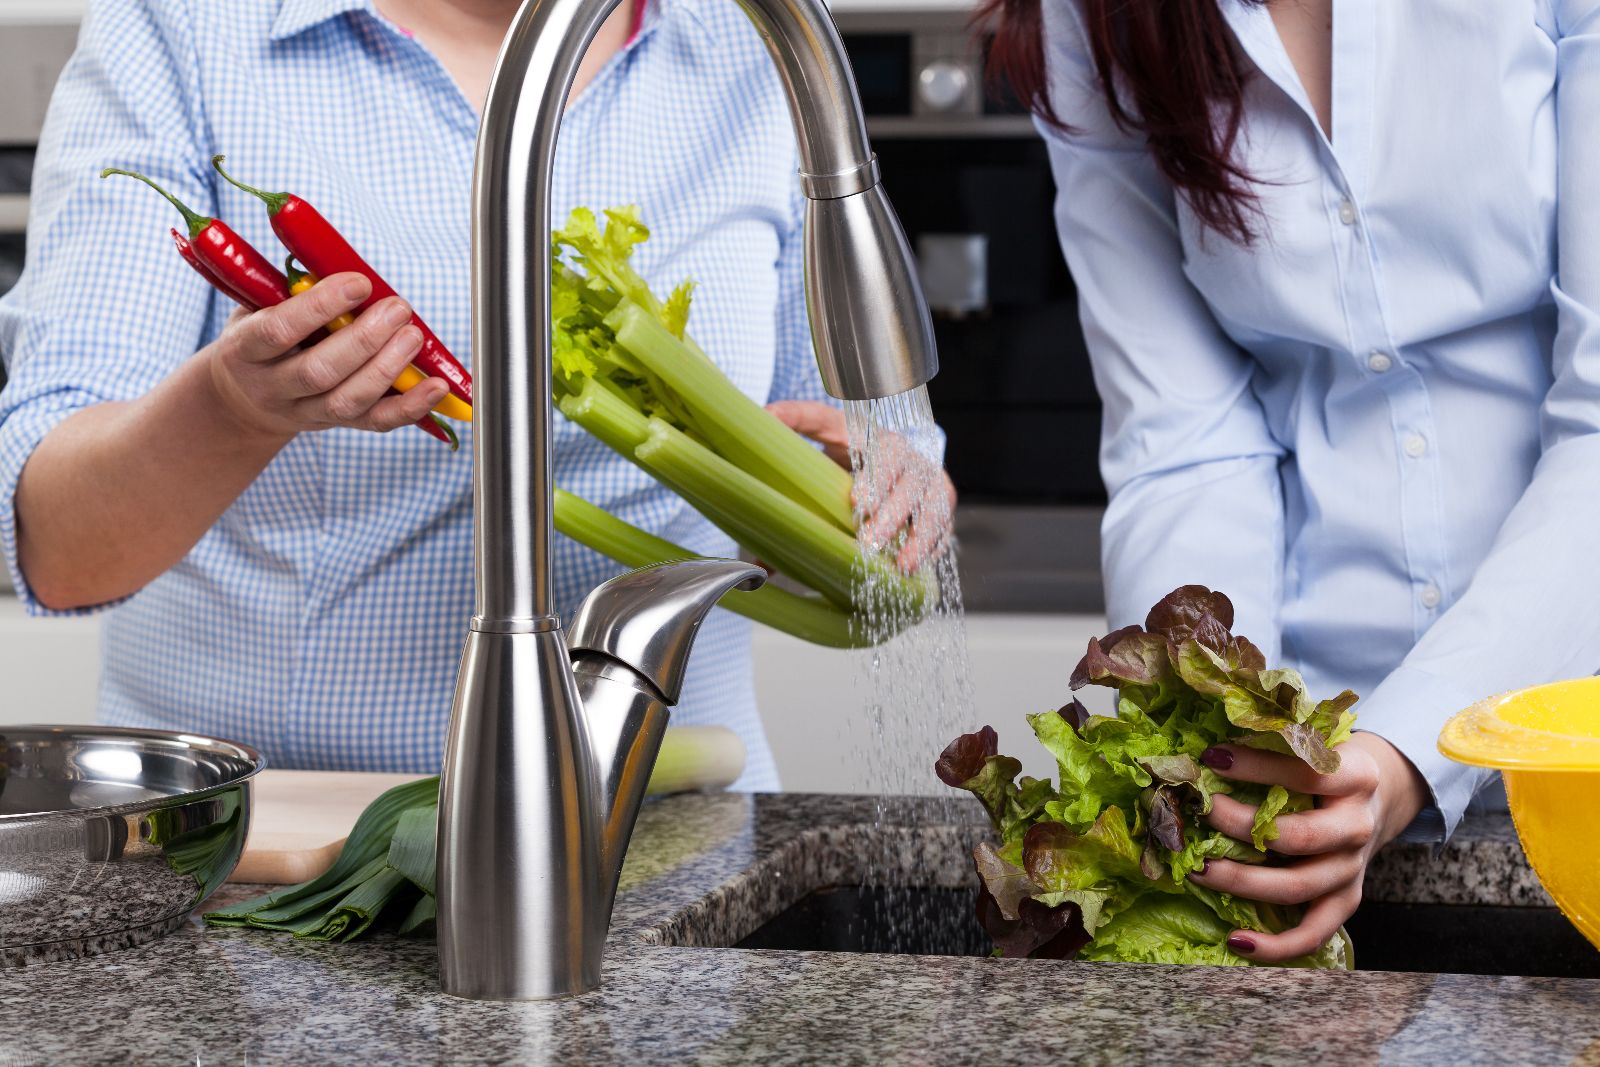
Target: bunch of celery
[[627, 372]]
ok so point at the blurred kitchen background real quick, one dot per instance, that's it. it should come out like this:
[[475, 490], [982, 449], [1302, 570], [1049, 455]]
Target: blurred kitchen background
[[969, 177]]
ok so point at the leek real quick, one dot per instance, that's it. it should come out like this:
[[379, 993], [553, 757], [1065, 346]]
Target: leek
[[387, 865]]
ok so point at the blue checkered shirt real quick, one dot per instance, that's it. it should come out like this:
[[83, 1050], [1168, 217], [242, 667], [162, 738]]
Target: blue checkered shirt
[[322, 617]]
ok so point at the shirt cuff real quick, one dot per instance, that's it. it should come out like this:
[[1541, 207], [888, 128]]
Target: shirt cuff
[[1408, 710], [24, 427]]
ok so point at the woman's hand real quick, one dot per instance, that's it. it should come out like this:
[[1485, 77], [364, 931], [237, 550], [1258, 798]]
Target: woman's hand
[[1363, 805], [912, 493], [272, 387]]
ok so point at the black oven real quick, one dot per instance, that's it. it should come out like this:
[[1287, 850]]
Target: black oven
[[970, 178], [16, 167], [35, 41]]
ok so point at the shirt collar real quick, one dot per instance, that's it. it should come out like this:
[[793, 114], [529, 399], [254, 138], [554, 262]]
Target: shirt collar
[[297, 16]]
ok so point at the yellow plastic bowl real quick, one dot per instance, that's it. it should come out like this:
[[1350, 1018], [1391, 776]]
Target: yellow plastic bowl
[[1546, 742]]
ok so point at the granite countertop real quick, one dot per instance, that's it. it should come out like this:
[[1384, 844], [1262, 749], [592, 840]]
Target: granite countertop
[[705, 871]]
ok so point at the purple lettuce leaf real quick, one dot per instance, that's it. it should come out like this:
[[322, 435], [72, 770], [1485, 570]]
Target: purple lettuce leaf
[[1193, 613], [1040, 931], [1007, 883], [1127, 657], [971, 762]]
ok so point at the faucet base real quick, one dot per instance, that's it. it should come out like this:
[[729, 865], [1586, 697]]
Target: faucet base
[[522, 913]]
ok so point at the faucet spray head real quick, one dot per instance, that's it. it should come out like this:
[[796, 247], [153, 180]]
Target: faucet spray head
[[870, 323]]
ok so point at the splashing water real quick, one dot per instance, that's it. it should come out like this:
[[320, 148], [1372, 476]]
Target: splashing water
[[916, 684]]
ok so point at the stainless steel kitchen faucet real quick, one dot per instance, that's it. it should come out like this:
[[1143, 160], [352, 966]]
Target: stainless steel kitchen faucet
[[552, 741]]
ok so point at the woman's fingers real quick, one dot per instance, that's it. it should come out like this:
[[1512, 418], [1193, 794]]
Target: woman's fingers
[[1322, 920], [891, 512], [822, 423], [350, 401], [1355, 775], [1295, 884], [931, 530], [325, 366], [273, 331], [1343, 823], [393, 412]]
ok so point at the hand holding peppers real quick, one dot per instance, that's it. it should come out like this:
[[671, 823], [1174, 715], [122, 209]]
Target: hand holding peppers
[[335, 386], [270, 384]]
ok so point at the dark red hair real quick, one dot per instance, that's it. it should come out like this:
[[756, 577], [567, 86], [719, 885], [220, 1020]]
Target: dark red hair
[[1169, 71]]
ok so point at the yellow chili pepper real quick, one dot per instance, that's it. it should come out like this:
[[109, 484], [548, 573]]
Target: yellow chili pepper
[[451, 407]]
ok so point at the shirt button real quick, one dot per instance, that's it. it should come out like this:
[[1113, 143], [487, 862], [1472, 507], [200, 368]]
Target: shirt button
[[1431, 596], [1416, 446], [1347, 212], [1379, 362]]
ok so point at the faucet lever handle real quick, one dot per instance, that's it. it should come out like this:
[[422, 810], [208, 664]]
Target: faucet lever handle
[[647, 619]]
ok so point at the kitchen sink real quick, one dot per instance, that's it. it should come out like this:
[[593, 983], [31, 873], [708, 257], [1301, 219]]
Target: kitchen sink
[[1428, 938]]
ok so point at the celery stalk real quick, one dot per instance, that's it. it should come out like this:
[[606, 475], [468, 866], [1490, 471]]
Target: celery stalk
[[748, 518], [768, 523], [607, 416], [806, 617], [739, 428]]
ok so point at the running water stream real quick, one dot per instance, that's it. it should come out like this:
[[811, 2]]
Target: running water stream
[[916, 685]]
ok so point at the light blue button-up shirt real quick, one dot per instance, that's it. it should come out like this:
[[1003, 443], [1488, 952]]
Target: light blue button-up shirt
[[322, 617], [1376, 430]]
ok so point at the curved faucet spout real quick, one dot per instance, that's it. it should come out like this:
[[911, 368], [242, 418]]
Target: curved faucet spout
[[870, 323], [520, 821]]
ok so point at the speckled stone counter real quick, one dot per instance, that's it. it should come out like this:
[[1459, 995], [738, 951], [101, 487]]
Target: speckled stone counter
[[705, 871]]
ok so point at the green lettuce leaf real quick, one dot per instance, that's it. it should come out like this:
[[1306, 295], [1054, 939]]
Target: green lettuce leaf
[[1164, 929], [1097, 864], [1265, 826]]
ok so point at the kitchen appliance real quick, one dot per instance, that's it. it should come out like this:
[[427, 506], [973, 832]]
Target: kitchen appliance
[[1545, 741], [111, 837], [552, 740], [36, 38], [970, 178]]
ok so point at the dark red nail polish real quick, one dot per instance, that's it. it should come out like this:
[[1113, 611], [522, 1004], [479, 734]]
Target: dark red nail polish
[[1241, 944], [1217, 758]]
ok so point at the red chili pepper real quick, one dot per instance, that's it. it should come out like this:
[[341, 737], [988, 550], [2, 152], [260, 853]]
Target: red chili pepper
[[432, 425], [246, 274], [186, 250], [315, 242]]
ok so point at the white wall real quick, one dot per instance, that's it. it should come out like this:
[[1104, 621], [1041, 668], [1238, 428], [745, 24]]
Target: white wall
[[811, 698], [812, 703], [51, 667]]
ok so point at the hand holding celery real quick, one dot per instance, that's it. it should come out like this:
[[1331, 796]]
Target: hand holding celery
[[1098, 867], [625, 370]]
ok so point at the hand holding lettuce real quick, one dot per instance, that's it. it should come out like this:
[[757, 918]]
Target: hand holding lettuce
[[1096, 866]]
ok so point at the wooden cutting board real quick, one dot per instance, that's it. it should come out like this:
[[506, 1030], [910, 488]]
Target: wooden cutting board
[[300, 819]]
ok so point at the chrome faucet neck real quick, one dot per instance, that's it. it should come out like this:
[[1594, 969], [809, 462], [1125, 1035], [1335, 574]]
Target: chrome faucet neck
[[524, 813]]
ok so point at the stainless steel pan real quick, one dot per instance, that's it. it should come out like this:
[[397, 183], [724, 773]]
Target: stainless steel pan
[[111, 837]]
